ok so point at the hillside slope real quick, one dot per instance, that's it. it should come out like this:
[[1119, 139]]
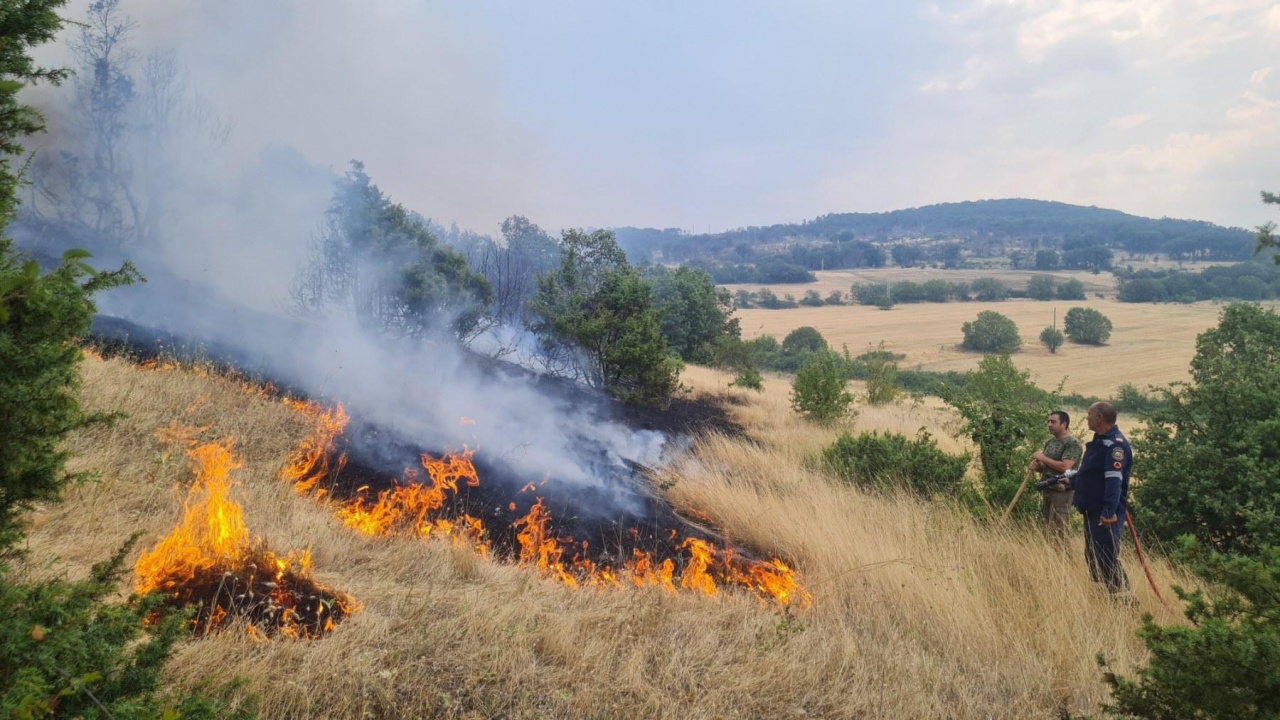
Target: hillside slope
[[918, 610]]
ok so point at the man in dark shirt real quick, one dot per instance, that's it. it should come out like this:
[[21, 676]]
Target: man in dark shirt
[[1102, 491]]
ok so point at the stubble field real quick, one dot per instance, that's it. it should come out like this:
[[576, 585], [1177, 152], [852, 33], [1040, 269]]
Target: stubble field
[[1150, 344]]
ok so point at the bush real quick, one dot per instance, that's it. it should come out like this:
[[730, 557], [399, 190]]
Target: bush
[[991, 332], [1051, 338], [891, 460], [1041, 287], [988, 290], [882, 376], [1070, 290], [818, 392], [811, 299], [750, 379], [802, 340], [1086, 326], [1226, 663]]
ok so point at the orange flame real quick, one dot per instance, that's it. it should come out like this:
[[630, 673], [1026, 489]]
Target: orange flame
[[309, 462], [210, 551]]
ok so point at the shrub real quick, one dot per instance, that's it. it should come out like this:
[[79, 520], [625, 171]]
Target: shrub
[[1070, 290], [1040, 287], [750, 379], [1051, 338], [803, 339], [835, 298], [991, 332], [882, 376], [988, 290], [818, 392], [1224, 665], [1086, 326], [811, 299], [892, 460]]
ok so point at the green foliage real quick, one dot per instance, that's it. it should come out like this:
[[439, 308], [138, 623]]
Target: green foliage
[[891, 460], [988, 290], [1086, 326], [1225, 665], [1071, 290], [596, 315], [377, 262], [804, 339], [1253, 280], [1211, 460], [750, 379], [1041, 287], [695, 313], [1266, 232], [66, 652], [1046, 259], [1003, 412], [1052, 338], [818, 391], [882, 376], [991, 332]]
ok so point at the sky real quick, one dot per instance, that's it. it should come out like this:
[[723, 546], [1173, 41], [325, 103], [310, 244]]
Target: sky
[[714, 115]]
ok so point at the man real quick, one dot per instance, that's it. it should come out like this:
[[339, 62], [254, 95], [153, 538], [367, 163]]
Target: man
[[1061, 453], [1102, 491]]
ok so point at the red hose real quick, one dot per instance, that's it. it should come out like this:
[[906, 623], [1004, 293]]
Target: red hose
[[1128, 517]]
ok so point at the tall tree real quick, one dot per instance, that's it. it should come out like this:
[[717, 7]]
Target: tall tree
[[376, 262], [696, 315], [596, 322], [1266, 231]]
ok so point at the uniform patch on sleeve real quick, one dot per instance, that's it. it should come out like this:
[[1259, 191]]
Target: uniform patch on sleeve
[[1117, 454], [1117, 465]]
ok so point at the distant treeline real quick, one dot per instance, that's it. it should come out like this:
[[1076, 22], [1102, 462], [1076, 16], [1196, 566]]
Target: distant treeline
[[1039, 287], [1033, 224], [1244, 281]]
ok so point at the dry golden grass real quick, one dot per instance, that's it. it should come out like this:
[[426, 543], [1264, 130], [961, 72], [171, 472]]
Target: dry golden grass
[[919, 611], [1149, 345]]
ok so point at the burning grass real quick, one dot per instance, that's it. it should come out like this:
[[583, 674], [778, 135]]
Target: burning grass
[[209, 565], [919, 611], [420, 504]]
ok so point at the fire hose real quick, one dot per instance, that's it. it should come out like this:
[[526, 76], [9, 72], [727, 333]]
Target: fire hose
[[1142, 558]]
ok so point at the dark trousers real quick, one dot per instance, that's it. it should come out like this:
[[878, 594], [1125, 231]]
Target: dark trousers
[[1102, 551]]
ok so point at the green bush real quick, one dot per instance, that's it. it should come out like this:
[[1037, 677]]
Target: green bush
[[750, 379], [818, 392], [892, 460], [991, 332], [1086, 326], [988, 290], [1041, 287], [1071, 290], [1051, 338], [1225, 665], [882, 375]]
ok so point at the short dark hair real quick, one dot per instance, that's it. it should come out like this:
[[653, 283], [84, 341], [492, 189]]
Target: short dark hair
[[1063, 417]]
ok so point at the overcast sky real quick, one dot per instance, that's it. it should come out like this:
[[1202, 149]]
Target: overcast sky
[[715, 114]]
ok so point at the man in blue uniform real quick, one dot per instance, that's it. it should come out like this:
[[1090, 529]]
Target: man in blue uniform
[[1102, 491]]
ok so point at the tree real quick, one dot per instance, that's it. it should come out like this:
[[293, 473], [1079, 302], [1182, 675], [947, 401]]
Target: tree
[[804, 339], [991, 332], [1046, 260], [1003, 412], [907, 255], [63, 649], [818, 391], [1071, 290], [1224, 665], [379, 264], [1041, 287], [1051, 338], [695, 313], [1086, 326], [1266, 231], [513, 267], [596, 321], [882, 376], [988, 290], [1211, 462]]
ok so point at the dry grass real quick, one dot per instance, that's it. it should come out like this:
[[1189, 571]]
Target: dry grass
[[1149, 345], [919, 611]]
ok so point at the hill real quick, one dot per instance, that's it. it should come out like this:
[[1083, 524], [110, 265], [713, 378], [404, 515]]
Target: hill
[[976, 225], [917, 609]]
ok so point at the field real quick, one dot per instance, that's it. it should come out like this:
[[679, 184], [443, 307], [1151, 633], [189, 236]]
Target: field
[[1150, 344], [919, 610]]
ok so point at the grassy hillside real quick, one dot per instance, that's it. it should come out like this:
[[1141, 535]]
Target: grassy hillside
[[918, 610]]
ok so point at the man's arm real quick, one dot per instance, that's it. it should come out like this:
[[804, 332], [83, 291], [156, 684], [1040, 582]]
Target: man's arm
[[1058, 466]]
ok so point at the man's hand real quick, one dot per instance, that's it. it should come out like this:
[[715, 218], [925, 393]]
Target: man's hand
[[1108, 521], [1035, 465]]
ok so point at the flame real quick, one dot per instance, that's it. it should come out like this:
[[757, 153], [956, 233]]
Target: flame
[[208, 561], [416, 505]]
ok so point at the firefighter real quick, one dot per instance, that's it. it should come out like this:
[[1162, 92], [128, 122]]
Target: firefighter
[[1102, 491], [1061, 453]]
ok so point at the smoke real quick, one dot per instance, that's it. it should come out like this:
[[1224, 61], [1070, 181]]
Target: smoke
[[304, 88]]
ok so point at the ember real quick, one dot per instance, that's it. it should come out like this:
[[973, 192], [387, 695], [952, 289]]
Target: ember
[[432, 506], [208, 563]]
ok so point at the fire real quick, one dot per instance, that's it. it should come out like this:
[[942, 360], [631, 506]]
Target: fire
[[208, 562], [418, 505]]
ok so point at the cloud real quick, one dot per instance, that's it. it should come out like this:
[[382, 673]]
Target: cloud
[[1127, 122]]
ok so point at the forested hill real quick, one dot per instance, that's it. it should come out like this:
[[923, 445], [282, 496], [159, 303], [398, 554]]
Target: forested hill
[[975, 224]]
